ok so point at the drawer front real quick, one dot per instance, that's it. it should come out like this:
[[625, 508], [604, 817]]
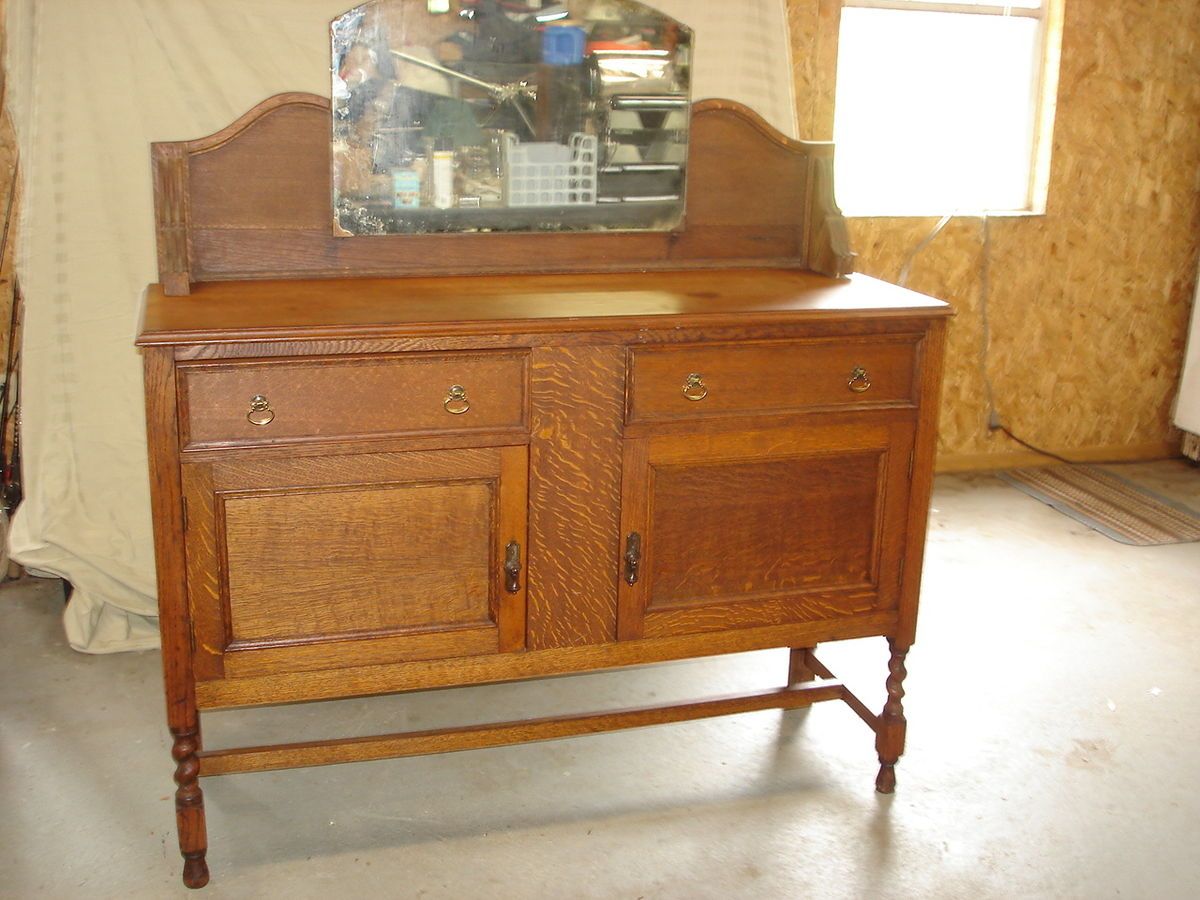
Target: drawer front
[[262, 402], [692, 382]]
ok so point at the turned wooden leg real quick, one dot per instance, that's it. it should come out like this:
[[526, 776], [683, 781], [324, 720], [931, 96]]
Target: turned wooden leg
[[799, 670], [189, 808], [889, 734]]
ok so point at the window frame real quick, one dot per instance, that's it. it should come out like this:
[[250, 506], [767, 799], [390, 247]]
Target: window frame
[[1044, 86]]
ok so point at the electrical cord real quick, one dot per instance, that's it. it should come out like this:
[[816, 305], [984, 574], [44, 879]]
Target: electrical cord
[[906, 269], [985, 342], [1028, 446], [994, 422]]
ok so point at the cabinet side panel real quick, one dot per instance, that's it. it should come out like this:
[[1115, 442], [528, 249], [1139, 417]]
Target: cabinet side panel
[[166, 501], [921, 490], [575, 495]]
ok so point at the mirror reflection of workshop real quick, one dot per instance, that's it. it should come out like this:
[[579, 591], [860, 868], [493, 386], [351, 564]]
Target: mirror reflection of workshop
[[509, 115]]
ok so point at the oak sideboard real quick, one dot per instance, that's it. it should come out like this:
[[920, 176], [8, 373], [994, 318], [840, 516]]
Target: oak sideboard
[[395, 463]]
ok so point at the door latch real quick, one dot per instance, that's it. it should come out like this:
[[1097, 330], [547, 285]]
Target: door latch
[[633, 557], [512, 568]]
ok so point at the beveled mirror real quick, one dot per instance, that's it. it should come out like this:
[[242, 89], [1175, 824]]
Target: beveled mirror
[[509, 115]]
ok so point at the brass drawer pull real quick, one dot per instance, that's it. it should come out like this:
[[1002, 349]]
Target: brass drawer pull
[[633, 557], [694, 388], [260, 411], [860, 381], [512, 568], [456, 402]]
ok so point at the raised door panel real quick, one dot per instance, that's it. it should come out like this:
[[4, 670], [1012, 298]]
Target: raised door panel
[[332, 561], [288, 582], [760, 528]]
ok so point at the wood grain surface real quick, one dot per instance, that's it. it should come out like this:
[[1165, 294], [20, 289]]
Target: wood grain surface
[[253, 660], [384, 558], [252, 201], [166, 500], [324, 561], [206, 587], [755, 528], [523, 304], [179, 677], [932, 353], [374, 678], [575, 488], [330, 398], [774, 526], [752, 377], [501, 734]]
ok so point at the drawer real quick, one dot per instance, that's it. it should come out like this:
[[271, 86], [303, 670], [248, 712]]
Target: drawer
[[262, 402], [698, 381]]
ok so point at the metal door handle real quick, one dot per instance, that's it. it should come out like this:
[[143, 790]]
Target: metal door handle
[[512, 568], [633, 557]]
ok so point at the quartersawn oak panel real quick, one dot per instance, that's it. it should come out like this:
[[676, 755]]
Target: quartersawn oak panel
[[771, 377], [325, 564], [765, 527], [761, 528], [748, 612], [322, 561], [267, 162], [575, 491], [205, 585]]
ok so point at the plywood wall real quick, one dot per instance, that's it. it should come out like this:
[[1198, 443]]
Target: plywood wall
[[1089, 303]]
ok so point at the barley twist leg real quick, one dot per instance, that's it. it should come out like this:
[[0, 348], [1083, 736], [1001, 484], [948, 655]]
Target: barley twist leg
[[189, 808], [890, 732]]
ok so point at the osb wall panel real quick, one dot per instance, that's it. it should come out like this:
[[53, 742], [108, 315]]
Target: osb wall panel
[[812, 26], [1089, 303]]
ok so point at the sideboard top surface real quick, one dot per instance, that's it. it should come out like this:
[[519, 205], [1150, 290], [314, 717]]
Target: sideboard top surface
[[398, 307]]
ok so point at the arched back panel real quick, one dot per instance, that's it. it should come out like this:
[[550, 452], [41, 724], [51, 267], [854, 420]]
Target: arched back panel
[[253, 202]]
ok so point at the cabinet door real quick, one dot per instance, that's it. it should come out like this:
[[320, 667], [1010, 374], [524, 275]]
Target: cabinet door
[[761, 528], [326, 562]]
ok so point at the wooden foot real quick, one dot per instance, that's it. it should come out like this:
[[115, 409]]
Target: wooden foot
[[891, 728], [189, 808], [799, 670], [195, 870], [885, 781]]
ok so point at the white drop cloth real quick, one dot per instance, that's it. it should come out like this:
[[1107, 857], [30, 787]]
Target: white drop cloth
[[91, 85], [1187, 406]]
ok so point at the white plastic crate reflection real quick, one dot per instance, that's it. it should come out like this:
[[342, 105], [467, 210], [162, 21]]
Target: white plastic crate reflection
[[549, 174]]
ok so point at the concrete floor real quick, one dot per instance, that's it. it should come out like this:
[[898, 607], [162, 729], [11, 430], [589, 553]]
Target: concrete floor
[[1053, 703]]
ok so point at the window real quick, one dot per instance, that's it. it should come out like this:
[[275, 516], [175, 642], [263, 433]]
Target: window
[[945, 107]]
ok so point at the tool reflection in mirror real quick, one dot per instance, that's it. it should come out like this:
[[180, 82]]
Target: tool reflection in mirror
[[511, 93]]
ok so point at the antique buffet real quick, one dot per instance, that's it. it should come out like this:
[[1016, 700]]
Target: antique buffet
[[510, 362]]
